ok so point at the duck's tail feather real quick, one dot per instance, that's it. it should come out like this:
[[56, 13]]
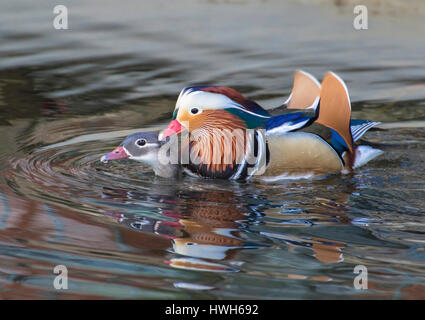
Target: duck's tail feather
[[364, 154], [359, 127]]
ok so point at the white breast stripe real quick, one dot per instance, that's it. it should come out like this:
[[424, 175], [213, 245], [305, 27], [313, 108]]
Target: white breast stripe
[[260, 165], [237, 174]]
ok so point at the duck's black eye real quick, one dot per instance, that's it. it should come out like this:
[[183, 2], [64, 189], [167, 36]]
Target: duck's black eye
[[140, 142], [194, 111]]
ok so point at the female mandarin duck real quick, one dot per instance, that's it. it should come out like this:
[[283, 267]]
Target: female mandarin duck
[[297, 142], [291, 143], [144, 147]]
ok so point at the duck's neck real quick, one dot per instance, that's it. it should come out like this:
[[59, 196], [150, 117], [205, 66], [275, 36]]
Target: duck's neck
[[166, 171]]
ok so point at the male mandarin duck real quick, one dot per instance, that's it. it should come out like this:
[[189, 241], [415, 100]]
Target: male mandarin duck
[[296, 142], [320, 139]]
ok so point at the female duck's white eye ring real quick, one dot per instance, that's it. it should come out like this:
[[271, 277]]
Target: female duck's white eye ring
[[140, 142], [195, 111]]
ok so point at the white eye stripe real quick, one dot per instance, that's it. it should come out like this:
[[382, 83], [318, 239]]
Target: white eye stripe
[[147, 144], [150, 145], [210, 101]]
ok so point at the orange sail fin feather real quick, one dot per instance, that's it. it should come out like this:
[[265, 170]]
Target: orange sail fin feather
[[335, 107], [305, 91]]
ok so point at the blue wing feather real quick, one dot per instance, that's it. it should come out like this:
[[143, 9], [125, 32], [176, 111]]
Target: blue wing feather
[[338, 142], [287, 122], [293, 121]]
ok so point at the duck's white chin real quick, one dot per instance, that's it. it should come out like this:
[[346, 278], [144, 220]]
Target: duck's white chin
[[149, 159]]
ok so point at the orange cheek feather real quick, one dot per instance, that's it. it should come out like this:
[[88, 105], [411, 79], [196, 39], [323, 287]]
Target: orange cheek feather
[[190, 122]]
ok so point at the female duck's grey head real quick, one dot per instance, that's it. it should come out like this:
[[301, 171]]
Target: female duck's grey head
[[143, 147]]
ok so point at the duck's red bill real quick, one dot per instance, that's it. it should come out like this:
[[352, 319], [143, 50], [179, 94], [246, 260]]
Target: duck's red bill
[[117, 154], [173, 128]]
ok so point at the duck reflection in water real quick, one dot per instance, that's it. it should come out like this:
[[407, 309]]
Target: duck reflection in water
[[199, 228], [208, 231]]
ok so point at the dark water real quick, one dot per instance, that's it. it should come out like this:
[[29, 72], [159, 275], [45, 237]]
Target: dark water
[[69, 96]]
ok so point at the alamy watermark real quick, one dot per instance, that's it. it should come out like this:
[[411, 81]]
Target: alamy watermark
[[360, 21], [216, 147], [60, 21], [360, 281], [61, 280]]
